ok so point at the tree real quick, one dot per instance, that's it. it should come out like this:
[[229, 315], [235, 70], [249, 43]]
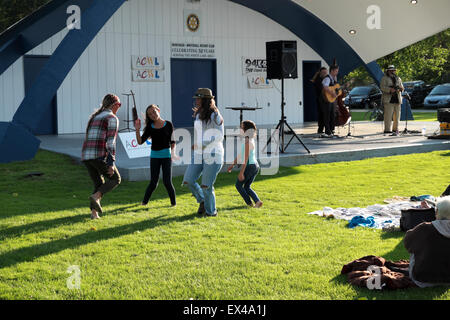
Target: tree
[[427, 60], [12, 11]]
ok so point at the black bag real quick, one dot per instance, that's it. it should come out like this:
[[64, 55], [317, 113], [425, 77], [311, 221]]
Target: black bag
[[443, 115], [410, 218]]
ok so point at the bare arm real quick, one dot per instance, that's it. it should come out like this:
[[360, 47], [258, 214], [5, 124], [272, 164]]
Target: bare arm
[[231, 166], [137, 126]]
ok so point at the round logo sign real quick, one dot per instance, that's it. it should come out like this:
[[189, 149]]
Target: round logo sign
[[193, 22]]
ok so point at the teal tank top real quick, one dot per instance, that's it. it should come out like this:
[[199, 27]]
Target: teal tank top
[[252, 154], [161, 154]]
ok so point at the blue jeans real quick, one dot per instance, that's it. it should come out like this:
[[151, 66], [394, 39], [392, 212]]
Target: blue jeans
[[244, 187], [206, 192]]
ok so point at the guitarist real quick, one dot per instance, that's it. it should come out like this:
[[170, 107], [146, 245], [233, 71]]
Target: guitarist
[[328, 108]]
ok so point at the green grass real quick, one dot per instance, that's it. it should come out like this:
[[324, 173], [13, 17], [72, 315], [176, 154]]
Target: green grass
[[158, 252], [418, 116]]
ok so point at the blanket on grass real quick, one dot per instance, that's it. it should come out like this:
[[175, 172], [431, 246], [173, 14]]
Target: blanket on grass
[[374, 272], [377, 216]]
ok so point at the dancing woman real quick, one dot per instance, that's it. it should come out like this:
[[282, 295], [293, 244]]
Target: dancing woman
[[208, 151], [99, 151], [249, 165], [160, 132]]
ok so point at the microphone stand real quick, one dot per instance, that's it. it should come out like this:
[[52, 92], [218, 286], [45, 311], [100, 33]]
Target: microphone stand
[[349, 134]]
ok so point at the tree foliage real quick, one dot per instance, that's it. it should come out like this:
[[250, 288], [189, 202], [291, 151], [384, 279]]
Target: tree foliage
[[12, 11], [427, 60]]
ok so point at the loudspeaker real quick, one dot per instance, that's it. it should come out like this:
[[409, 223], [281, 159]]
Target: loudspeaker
[[281, 59]]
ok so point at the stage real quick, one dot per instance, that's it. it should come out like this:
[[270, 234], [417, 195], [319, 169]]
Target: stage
[[366, 141]]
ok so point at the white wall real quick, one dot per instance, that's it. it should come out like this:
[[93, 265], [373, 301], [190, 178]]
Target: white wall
[[147, 27]]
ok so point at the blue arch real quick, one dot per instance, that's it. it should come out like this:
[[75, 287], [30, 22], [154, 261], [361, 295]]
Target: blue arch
[[34, 29], [48, 81], [50, 19]]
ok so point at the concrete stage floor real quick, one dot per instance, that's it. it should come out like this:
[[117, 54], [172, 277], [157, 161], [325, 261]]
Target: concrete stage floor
[[366, 141]]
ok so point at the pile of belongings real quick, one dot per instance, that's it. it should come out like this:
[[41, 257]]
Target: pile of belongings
[[377, 273], [377, 216]]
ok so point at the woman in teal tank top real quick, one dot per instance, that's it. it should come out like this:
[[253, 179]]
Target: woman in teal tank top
[[160, 131]]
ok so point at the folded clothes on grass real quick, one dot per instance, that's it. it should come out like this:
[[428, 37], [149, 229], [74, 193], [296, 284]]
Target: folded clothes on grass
[[424, 197], [362, 222], [374, 272]]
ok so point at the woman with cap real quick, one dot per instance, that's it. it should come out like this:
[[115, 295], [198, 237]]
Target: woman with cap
[[208, 151], [391, 85]]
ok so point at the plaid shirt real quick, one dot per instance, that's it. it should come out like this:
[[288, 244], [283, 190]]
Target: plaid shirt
[[100, 142]]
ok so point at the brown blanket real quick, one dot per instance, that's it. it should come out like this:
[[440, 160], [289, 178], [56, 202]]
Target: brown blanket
[[385, 274]]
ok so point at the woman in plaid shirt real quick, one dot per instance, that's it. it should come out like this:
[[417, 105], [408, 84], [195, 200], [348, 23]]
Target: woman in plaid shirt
[[99, 151]]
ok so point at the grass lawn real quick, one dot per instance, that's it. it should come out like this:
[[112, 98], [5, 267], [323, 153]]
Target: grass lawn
[[158, 252], [418, 116]]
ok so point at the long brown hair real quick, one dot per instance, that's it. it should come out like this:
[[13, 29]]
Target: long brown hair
[[317, 74], [148, 121], [108, 101], [206, 109], [249, 125]]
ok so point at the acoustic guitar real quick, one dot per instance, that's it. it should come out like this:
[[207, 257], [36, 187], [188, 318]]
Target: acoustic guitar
[[328, 97]]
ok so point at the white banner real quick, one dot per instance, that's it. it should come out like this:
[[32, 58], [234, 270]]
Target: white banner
[[148, 75], [259, 81], [253, 65], [193, 50], [133, 149], [146, 62]]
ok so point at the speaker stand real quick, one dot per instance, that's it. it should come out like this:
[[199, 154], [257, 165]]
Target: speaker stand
[[280, 127]]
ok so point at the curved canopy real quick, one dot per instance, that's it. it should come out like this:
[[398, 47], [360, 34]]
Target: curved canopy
[[401, 22]]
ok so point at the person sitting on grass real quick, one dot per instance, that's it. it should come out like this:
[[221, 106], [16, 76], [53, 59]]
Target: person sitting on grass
[[250, 167], [429, 246]]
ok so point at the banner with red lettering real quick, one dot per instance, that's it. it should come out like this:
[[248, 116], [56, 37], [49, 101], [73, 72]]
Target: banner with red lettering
[[147, 62], [133, 149], [148, 75], [259, 81]]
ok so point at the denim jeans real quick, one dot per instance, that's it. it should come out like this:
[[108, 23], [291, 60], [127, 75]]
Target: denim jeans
[[206, 192], [244, 187]]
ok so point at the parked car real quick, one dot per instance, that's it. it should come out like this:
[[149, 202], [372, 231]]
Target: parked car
[[439, 97], [363, 97], [417, 90]]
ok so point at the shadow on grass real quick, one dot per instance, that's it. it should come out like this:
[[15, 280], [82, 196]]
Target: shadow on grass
[[398, 253], [36, 251], [127, 193], [44, 225], [447, 154]]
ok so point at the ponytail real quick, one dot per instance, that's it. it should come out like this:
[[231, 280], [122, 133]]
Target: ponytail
[[108, 101]]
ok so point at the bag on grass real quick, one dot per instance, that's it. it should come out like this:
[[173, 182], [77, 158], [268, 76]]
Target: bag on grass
[[410, 218]]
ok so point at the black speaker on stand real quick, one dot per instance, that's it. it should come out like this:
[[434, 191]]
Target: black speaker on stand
[[282, 64]]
